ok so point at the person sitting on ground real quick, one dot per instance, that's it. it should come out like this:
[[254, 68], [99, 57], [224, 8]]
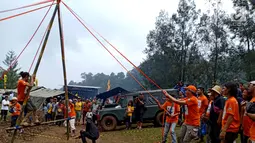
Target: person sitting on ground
[[171, 118], [22, 87], [91, 131]]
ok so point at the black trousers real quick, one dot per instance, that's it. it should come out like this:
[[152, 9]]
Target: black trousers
[[4, 114], [230, 137], [59, 123], [85, 135], [215, 133]]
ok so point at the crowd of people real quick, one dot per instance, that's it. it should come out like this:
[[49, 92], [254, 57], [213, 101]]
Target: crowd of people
[[227, 111], [221, 115]]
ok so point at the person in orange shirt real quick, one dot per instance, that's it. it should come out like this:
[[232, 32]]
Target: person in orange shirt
[[251, 91], [246, 122], [189, 129], [231, 116], [30, 108], [21, 86], [71, 116], [202, 105], [15, 109], [86, 106], [171, 118]]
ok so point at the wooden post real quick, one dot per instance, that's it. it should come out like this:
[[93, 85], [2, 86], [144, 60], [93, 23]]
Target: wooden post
[[35, 71], [63, 63]]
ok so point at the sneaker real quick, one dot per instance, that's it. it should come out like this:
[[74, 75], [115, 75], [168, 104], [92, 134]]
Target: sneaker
[[21, 131]]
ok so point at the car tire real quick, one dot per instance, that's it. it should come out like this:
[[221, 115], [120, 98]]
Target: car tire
[[158, 119], [109, 123]]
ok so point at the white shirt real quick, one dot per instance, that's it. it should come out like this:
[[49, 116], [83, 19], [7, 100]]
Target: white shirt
[[4, 102]]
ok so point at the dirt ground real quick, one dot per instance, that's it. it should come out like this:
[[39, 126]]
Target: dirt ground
[[55, 134]]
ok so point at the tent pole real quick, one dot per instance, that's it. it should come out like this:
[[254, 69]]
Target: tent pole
[[63, 63]]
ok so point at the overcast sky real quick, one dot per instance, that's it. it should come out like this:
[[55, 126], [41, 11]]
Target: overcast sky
[[125, 23]]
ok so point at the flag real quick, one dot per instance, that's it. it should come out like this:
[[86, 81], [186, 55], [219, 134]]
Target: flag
[[108, 85], [5, 80]]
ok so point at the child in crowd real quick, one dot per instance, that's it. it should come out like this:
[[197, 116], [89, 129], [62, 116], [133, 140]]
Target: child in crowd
[[129, 113], [15, 109]]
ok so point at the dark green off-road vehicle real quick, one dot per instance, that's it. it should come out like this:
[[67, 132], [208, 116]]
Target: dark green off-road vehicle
[[114, 114]]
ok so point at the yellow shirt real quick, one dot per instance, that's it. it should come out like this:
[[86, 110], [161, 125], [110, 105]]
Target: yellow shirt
[[78, 106], [130, 110]]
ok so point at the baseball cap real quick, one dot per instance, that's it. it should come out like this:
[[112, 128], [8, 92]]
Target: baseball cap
[[191, 88]]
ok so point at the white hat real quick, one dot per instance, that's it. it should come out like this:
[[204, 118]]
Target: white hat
[[252, 82], [70, 100], [14, 98]]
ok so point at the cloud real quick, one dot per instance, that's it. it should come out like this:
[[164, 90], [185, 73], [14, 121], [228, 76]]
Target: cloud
[[124, 23]]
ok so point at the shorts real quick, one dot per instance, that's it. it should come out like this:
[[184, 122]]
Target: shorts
[[78, 115], [71, 123], [139, 117], [30, 105]]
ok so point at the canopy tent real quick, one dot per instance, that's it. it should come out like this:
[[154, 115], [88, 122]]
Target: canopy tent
[[40, 94], [112, 92]]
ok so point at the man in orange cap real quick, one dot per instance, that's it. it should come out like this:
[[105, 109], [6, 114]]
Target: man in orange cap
[[189, 129]]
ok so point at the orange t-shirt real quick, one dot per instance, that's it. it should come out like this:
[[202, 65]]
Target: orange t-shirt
[[202, 104], [17, 109], [231, 108], [175, 109], [192, 116], [21, 87], [247, 123], [86, 107], [71, 111], [207, 114], [252, 129]]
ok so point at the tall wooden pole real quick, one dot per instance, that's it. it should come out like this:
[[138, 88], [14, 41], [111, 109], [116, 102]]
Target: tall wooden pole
[[45, 40], [35, 70], [63, 63]]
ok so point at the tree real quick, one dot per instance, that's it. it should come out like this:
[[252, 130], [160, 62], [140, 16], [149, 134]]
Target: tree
[[12, 74]]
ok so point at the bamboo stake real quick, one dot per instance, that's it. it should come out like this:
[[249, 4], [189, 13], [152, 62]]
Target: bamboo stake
[[63, 62], [35, 71], [43, 123]]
